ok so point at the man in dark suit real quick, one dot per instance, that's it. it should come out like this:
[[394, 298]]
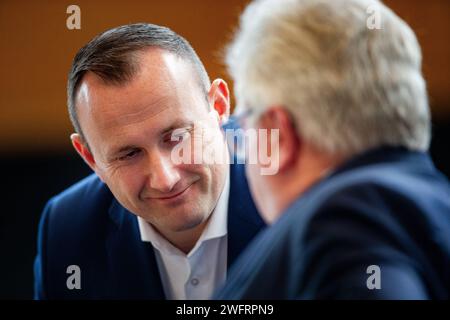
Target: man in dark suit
[[357, 208], [157, 219]]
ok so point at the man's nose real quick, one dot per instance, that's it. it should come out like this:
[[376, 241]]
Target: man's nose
[[163, 173]]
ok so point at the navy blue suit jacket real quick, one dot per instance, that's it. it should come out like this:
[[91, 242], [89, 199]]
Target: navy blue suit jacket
[[87, 227], [388, 207]]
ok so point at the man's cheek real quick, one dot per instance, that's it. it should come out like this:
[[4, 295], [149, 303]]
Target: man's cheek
[[128, 184], [253, 176]]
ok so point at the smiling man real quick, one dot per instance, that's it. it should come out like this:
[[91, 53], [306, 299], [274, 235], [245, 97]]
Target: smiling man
[[143, 226]]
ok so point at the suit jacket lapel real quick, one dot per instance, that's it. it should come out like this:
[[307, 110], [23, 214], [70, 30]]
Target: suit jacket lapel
[[133, 270], [243, 218]]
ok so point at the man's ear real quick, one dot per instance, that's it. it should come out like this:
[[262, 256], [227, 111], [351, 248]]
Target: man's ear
[[289, 141], [80, 146], [219, 96]]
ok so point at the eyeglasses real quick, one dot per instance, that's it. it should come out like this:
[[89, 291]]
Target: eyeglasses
[[236, 121]]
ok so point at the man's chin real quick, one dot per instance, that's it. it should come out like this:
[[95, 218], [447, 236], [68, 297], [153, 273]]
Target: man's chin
[[190, 224], [175, 220]]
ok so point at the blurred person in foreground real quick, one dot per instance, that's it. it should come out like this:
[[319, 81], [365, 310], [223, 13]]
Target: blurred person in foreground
[[357, 208], [143, 225]]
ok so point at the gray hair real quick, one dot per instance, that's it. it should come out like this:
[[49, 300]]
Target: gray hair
[[348, 87], [112, 56]]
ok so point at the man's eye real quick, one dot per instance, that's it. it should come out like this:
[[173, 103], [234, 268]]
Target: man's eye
[[178, 136], [129, 155]]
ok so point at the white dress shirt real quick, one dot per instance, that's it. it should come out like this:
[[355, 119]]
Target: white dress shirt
[[195, 275]]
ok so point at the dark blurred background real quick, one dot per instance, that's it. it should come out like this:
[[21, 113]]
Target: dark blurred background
[[36, 50]]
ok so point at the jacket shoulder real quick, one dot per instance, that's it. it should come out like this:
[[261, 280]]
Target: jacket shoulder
[[79, 206], [72, 230]]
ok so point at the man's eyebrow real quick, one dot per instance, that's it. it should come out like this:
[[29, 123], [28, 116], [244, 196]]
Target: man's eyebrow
[[176, 125]]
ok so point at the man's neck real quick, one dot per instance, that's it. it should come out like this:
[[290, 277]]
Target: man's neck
[[185, 240], [312, 168]]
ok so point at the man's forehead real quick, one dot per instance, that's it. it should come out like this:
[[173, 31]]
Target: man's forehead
[[158, 73], [115, 106]]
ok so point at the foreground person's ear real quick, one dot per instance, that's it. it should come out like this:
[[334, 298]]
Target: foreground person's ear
[[277, 117]]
